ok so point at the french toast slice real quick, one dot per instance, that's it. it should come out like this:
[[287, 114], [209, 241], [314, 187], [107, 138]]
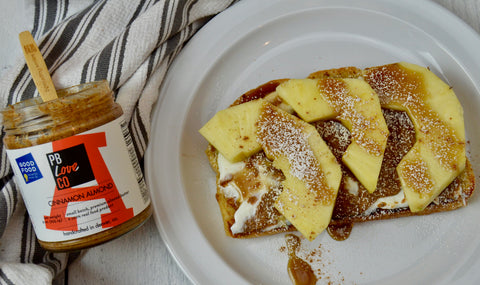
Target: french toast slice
[[246, 191]]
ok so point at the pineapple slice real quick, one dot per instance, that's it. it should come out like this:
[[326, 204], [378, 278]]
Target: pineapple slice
[[306, 99], [233, 132], [438, 155], [312, 174], [355, 104]]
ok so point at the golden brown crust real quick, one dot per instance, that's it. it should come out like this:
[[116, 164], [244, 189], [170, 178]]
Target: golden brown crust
[[343, 72], [259, 92]]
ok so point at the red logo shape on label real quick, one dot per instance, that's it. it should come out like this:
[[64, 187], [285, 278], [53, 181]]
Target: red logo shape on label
[[106, 188]]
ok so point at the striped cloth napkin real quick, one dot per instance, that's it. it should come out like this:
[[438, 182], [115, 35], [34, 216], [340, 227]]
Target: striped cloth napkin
[[131, 43]]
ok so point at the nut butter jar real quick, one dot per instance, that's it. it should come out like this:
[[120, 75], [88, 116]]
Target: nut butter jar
[[76, 168]]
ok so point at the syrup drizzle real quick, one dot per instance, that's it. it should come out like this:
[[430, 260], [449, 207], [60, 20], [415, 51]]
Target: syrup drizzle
[[340, 232], [300, 272]]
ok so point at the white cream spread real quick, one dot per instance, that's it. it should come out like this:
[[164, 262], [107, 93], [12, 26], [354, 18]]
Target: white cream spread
[[246, 209], [390, 203], [245, 212], [227, 169], [387, 203], [351, 186]]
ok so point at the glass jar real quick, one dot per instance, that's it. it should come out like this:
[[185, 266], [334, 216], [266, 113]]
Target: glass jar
[[76, 168]]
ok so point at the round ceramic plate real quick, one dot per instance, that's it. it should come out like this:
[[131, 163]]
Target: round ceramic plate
[[256, 41]]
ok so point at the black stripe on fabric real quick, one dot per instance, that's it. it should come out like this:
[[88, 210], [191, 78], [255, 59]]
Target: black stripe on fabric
[[5, 180], [36, 17], [14, 193], [15, 85], [3, 158], [112, 73], [50, 262], [140, 131], [88, 67], [7, 202], [189, 9], [177, 20], [103, 62], [25, 239], [55, 262], [83, 77], [5, 169], [153, 60], [137, 12], [29, 91], [5, 278], [50, 16], [37, 251], [123, 46], [4, 166], [4, 212], [134, 137], [72, 256], [66, 4], [163, 27], [141, 161], [174, 43]]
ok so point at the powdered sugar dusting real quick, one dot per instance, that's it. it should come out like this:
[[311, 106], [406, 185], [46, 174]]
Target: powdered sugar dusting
[[397, 87], [283, 136], [417, 174]]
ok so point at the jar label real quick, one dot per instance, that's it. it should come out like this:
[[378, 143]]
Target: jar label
[[81, 185]]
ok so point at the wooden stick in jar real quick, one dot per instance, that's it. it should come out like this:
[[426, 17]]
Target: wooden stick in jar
[[38, 68]]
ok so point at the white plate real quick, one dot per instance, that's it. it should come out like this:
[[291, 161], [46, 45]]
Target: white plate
[[256, 41]]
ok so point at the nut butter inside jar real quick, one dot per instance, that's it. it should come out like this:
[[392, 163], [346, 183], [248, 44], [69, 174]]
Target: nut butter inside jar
[[76, 168]]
